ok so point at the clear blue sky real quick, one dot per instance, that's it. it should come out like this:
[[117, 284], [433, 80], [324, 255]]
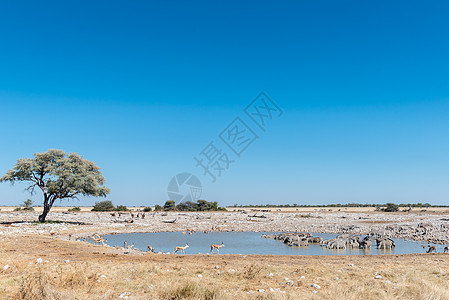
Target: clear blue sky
[[141, 88]]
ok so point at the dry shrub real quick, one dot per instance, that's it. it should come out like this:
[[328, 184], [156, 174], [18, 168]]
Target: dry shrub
[[251, 271], [191, 291], [75, 278], [37, 286]]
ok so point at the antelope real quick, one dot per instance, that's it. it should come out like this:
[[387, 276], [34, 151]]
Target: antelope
[[446, 249], [99, 241], [182, 249], [213, 246], [431, 249], [150, 248], [131, 246]]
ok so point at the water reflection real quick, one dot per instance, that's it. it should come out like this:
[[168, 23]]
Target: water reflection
[[247, 243]]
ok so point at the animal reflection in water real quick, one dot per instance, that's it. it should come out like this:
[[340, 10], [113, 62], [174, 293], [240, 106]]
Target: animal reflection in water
[[342, 241]]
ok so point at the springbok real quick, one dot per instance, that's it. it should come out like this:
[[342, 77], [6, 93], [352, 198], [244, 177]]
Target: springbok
[[213, 246], [432, 249], [99, 241], [446, 249], [182, 249], [151, 249]]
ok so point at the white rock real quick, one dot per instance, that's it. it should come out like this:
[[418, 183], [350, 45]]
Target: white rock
[[316, 286], [6, 267], [271, 274], [387, 281], [200, 276], [261, 290], [39, 261], [378, 277], [67, 261], [302, 277], [125, 295]]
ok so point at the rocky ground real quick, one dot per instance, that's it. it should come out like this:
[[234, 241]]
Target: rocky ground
[[44, 261], [424, 227]]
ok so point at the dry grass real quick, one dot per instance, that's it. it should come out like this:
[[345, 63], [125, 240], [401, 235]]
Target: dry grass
[[96, 272]]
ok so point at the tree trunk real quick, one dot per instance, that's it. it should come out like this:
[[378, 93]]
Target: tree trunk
[[46, 209]]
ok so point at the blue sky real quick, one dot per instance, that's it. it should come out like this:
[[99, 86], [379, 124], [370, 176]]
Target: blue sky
[[142, 88]]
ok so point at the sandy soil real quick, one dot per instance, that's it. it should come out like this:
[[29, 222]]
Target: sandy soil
[[45, 261]]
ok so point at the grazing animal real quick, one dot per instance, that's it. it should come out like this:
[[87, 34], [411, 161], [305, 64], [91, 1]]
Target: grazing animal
[[151, 249], [366, 243], [213, 246], [316, 240], [337, 244], [446, 249], [432, 249], [182, 249], [385, 243], [99, 241]]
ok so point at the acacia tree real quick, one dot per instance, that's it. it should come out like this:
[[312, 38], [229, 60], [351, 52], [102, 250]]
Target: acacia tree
[[59, 176]]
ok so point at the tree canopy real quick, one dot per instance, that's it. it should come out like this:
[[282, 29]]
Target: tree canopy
[[59, 176]]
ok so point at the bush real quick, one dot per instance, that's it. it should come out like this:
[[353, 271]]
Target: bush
[[121, 208], [391, 207], [158, 208], [76, 208], [147, 209], [18, 209], [170, 205], [103, 206], [200, 205]]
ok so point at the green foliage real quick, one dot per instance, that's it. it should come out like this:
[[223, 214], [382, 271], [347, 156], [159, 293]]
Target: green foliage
[[28, 203], [147, 209], [18, 209], [59, 176], [76, 208], [121, 208], [200, 205], [170, 205], [391, 207], [158, 208], [103, 206]]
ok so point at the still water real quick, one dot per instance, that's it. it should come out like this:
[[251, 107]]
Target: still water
[[246, 243]]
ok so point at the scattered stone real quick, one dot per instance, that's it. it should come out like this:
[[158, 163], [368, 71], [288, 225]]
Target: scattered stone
[[378, 277], [200, 276], [271, 275], [125, 295], [39, 261], [316, 286], [261, 290], [6, 267]]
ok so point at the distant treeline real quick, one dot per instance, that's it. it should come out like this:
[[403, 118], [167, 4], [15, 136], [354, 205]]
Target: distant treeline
[[341, 205], [200, 205]]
